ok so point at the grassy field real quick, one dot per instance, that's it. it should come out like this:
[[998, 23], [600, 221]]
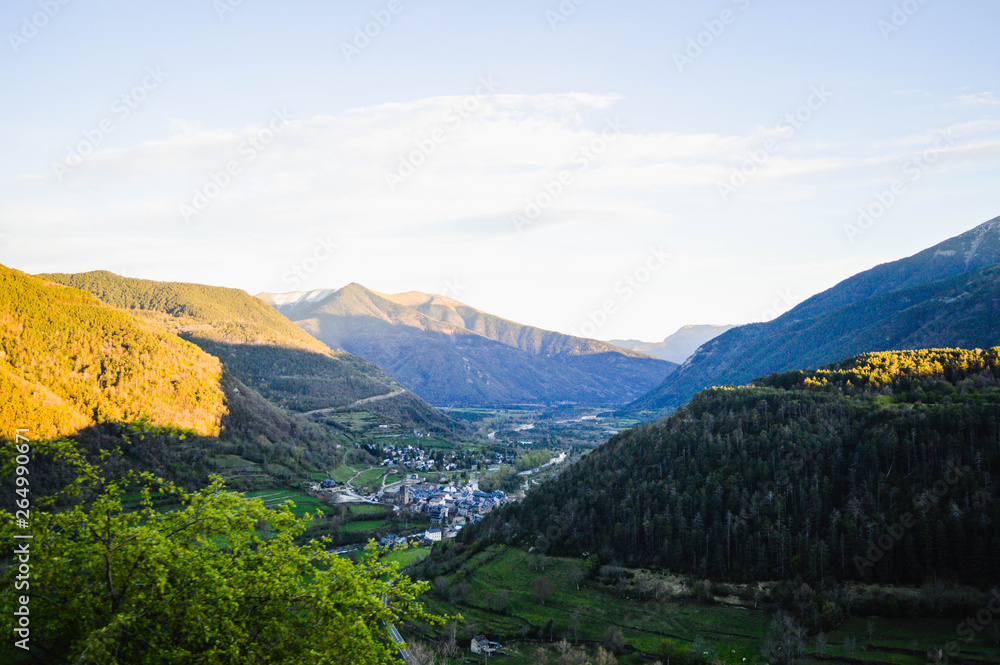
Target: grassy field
[[408, 557], [354, 421], [369, 478], [232, 461], [365, 525], [734, 632], [367, 509], [344, 473]]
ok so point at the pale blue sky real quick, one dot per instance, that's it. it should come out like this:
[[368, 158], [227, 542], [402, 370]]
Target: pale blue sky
[[782, 235]]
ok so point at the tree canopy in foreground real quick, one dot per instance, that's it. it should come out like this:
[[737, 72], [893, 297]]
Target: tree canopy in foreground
[[139, 571]]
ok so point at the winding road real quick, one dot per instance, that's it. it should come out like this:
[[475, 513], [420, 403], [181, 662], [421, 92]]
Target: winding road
[[366, 400]]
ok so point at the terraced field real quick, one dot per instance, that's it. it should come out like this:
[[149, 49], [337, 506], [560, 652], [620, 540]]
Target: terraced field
[[303, 502]]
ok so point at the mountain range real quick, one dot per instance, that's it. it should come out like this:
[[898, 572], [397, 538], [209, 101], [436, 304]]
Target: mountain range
[[677, 347], [452, 354], [945, 296]]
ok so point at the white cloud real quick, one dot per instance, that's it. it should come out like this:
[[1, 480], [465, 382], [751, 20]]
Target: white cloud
[[500, 152], [977, 99]]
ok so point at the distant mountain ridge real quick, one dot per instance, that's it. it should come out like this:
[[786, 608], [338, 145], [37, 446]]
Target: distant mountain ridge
[[945, 296], [452, 354], [679, 346]]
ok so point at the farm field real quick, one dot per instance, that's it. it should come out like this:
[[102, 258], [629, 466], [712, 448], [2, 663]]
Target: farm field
[[501, 598]]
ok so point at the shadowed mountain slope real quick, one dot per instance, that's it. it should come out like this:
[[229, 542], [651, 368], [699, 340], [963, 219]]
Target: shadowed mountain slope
[[453, 354], [945, 296]]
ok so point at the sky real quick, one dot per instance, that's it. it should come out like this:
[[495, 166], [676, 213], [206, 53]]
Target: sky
[[611, 169]]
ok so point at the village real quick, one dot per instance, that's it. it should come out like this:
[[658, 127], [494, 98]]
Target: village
[[446, 506], [419, 459]]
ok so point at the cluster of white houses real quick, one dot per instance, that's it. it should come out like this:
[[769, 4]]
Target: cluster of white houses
[[417, 459], [414, 458]]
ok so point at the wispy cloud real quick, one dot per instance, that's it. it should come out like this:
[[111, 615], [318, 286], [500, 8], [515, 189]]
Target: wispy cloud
[[335, 166], [977, 99]]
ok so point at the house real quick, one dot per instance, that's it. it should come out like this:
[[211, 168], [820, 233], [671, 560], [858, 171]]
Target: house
[[327, 484], [438, 513], [392, 540], [482, 645], [433, 535]]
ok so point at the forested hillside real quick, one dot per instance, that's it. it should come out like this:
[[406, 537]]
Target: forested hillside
[[259, 347], [72, 365], [946, 296], [879, 468], [67, 361]]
